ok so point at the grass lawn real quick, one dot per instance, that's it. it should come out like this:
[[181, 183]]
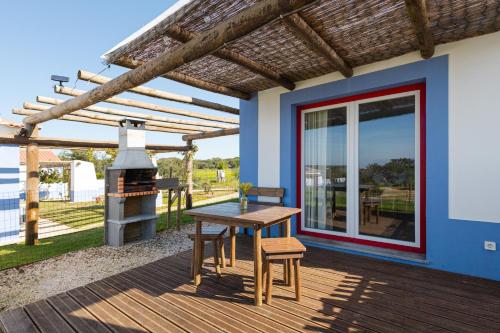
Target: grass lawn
[[19, 254], [72, 214]]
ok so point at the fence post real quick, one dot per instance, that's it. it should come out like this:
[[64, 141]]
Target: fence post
[[32, 194], [189, 175]]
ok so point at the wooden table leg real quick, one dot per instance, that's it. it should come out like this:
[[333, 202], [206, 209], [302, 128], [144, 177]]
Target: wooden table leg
[[257, 259], [288, 263], [232, 236], [197, 254]]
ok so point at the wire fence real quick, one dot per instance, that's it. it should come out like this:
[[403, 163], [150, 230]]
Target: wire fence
[[72, 223]]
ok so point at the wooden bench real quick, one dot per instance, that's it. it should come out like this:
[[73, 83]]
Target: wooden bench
[[289, 249], [215, 235], [270, 192]]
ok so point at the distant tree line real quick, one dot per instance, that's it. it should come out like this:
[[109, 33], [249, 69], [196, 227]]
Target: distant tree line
[[178, 165]]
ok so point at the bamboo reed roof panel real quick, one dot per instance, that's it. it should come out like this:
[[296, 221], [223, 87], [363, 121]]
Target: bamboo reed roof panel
[[361, 32]]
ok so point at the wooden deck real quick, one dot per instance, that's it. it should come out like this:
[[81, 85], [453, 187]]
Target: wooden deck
[[341, 293]]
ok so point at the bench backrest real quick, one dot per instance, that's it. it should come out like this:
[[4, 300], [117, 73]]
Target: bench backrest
[[271, 192]]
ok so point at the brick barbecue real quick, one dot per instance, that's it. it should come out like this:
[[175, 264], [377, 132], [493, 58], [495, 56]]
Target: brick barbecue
[[130, 188]]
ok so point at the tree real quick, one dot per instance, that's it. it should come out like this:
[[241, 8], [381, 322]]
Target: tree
[[49, 176]]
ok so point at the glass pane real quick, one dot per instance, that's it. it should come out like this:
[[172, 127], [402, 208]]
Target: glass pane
[[387, 168], [325, 167]]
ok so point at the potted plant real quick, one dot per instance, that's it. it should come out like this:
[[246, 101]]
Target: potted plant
[[244, 187]]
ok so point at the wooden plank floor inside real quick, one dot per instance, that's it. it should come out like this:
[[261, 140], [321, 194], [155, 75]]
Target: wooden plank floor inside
[[341, 293]]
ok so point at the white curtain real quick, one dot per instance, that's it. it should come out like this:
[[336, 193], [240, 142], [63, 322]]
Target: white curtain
[[315, 161]]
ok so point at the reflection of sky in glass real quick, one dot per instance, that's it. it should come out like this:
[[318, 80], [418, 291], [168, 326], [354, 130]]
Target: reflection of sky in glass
[[381, 140]]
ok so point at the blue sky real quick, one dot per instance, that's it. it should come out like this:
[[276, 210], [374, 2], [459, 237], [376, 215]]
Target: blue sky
[[40, 38]]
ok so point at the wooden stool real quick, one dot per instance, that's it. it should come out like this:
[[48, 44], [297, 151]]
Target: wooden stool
[[216, 236], [283, 248]]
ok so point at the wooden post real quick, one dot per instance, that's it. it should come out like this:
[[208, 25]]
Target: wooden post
[[189, 175], [179, 199], [32, 195]]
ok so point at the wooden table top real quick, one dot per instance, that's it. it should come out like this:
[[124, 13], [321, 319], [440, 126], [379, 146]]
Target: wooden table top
[[256, 214]]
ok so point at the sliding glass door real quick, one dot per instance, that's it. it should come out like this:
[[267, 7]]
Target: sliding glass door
[[325, 169], [360, 170]]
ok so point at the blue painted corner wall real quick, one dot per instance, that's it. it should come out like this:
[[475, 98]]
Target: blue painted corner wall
[[9, 193], [452, 245]]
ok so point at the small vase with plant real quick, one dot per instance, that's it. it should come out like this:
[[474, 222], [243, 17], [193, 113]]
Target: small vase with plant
[[244, 187]]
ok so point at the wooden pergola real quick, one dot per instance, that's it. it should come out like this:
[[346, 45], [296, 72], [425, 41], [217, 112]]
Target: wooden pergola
[[230, 50]]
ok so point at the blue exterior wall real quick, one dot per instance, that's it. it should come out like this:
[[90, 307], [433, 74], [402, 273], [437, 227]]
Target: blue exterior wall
[[9, 193], [452, 245], [248, 140]]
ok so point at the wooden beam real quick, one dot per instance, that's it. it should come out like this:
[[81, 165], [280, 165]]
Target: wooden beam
[[211, 134], [112, 118], [238, 25], [77, 143], [189, 80], [417, 11], [183, 36], [189, 174], [114, 123], [100, 79], [148, 106], [304, 31], [154, 120], [32, 195]]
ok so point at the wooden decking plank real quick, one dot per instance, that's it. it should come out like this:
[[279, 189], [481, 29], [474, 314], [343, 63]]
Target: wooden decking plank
[[426, 289], [488, 317], [76, 315], [166, 309], [289, 308], [46, 318], [396, 271], [431, 302], [115, 320], [16, 321], [195, 308], [229, 305], [147, 319], [300, 319], [402, 322], [402, 308], [370, 310]]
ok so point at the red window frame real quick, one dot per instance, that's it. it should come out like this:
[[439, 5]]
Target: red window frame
[[391, 91]]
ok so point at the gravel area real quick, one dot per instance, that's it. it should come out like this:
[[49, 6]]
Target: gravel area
[[19, 286]]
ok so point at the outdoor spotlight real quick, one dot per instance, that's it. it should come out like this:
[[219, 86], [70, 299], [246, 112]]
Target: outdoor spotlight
[[60, 79]]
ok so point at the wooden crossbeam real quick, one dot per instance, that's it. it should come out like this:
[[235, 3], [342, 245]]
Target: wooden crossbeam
[[94, 115], [304, 31], [189, 80], [114, 123], [156, 93], [186, 124], [417, 11], [148, 106], [77, 143], [240, 24], [211, 134], [183, 36]]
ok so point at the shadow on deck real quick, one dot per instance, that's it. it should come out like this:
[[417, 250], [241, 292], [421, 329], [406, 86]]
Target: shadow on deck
[[341, 293]]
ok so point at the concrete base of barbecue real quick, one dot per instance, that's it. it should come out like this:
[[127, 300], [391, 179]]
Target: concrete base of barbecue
[[115, 235]]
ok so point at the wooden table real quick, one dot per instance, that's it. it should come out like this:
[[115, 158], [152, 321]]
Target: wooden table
[[256, 217]]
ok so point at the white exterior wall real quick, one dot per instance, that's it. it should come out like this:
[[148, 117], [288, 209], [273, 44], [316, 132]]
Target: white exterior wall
[[474, 120]]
